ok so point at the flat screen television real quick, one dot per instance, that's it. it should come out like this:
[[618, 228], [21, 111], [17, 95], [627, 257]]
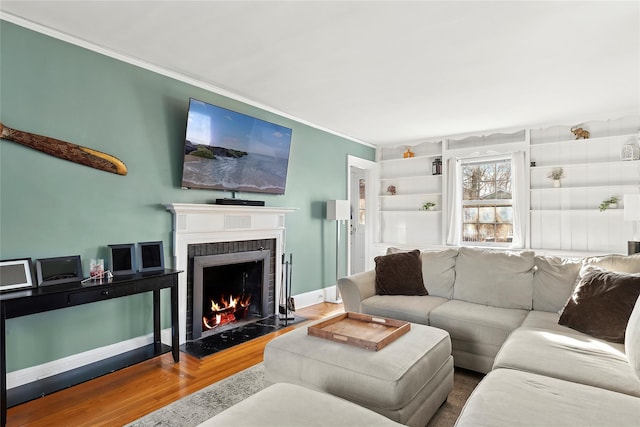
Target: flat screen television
[[230, 151]]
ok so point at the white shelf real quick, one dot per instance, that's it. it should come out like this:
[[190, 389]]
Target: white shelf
[[569, 164], [574, 142], [410, 177], [411, 195], [411, 159]]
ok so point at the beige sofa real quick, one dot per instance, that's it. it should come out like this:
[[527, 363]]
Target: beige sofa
[[501, 309]]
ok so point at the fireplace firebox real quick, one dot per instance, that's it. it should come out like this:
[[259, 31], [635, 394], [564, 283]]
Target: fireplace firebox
[[229, 290]]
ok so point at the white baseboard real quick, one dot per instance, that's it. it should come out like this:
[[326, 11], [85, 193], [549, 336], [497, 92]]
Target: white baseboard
[[35, 373], [309, 298]]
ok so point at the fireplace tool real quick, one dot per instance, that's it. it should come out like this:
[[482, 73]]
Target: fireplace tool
[[286, 304]]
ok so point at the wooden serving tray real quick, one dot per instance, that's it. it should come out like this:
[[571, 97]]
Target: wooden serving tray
[[360, 330]]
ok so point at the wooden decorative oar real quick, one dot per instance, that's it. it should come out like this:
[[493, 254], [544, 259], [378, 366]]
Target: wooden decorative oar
[[65, 150]]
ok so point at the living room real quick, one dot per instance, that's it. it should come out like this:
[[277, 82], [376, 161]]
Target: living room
[[83, 91]]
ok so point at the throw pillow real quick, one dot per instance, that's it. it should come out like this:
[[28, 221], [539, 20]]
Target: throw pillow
[[399, 274], [601, 304]]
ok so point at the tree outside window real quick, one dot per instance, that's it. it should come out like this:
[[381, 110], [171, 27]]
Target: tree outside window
[[487, 205]]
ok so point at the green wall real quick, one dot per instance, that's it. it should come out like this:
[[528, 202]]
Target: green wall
[[50, 207]]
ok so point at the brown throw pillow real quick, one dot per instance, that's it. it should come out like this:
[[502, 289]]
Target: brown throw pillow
[[601, 304], [400, 274]]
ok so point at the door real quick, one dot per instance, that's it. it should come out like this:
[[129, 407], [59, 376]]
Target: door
[[358, 219], [362, 188]]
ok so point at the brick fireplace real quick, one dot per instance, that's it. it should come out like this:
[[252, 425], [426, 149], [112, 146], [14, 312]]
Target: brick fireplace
[[201, 228], [235, 276]]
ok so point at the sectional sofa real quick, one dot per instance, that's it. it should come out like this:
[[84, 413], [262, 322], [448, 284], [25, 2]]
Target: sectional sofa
[[556, 336]]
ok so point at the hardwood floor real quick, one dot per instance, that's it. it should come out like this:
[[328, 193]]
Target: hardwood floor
[[128, 394]]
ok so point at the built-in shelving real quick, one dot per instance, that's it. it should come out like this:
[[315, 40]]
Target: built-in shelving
[[402, 219], [568, 217], [560, 218]]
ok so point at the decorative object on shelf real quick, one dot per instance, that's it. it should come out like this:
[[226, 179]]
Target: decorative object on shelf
[[122, 259], [428, 206], [556, 174], [632, 213], [630, 151], [96, 268], [408, 153], [65, 150], [532, 164], [15, 274], [610, 203], [391, 190], [52, 271], [580, 133], [338, 211], [436, 166]]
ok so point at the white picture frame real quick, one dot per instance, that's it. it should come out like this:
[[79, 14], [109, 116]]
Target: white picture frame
[[15, 274]]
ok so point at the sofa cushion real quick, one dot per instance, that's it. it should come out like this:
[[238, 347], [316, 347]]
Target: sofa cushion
[[602, 303], [506, 398], [553, 280], [546, 320], [438, 271], [493, 277], [414, 309], [632, 339], [617, 263], [573, 357], [476, 329], [399, 274]]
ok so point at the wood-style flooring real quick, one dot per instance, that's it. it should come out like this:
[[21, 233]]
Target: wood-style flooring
[[128, 394]]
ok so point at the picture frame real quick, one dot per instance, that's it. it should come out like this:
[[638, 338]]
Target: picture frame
[[151, 256], [53, 271], [122, 259], [16, 274]]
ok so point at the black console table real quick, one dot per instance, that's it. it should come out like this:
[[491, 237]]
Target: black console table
[[54, 297]]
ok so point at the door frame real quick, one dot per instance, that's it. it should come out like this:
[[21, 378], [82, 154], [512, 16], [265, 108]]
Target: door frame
[[371, 170]]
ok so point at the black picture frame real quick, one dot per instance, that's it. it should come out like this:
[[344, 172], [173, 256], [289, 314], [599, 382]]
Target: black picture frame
[[16, 275], [151, 256], [122, 259], [53, 271]]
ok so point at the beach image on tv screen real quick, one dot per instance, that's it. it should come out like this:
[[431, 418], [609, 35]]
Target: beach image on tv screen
[[225, 150]]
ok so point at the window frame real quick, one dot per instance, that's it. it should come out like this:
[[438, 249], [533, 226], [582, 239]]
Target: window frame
[[495, 202]]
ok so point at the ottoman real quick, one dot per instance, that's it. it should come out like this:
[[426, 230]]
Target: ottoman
[[406, 381], [289, 405]]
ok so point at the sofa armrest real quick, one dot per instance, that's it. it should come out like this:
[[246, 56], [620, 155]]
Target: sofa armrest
[[356, 288]]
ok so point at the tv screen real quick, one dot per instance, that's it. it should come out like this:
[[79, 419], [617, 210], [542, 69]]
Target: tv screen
[[226, 150]]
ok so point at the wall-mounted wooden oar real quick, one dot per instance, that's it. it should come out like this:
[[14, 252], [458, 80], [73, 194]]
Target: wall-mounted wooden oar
[[65, 150]]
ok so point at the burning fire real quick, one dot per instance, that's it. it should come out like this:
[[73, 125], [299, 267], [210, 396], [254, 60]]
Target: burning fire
[[226, 310]]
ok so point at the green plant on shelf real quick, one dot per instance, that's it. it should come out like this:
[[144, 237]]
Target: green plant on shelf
[[428, 206], [610, 203]]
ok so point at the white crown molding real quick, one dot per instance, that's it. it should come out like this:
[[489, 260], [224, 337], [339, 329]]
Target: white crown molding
[[164, 72]]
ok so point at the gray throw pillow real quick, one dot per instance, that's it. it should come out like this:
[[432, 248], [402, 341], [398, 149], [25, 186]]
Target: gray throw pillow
[[400, 274]]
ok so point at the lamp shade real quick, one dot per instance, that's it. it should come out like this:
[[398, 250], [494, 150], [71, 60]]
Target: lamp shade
[[632, 207], [338, 210]]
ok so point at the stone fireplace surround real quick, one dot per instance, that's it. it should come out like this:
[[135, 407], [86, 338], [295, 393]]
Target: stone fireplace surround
[[203, 223]]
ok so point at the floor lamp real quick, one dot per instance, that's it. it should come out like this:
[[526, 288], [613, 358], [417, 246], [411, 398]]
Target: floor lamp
[[632, 213], [338, 210]]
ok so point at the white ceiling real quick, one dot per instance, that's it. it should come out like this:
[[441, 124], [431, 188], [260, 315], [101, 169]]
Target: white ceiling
[[379, 72]]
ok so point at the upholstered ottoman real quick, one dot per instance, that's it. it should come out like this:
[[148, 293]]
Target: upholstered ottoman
[[289, 405], [405, 381]]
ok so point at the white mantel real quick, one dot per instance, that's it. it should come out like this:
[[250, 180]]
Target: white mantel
[[202, 223]]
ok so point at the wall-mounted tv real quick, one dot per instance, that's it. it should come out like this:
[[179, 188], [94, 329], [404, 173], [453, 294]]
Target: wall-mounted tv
[[226, 150]]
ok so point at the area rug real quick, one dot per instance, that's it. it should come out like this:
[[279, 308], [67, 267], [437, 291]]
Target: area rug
[[204, 404]]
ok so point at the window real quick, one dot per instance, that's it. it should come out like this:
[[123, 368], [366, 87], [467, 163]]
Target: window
[[487, 202]]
